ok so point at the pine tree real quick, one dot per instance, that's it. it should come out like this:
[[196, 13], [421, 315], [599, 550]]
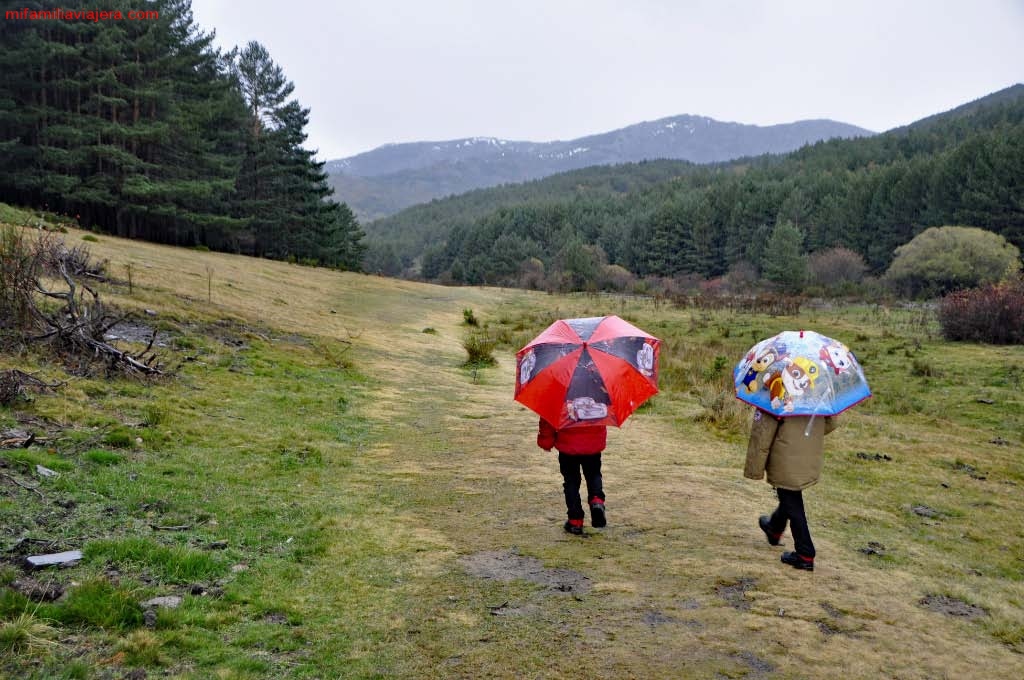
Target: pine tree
[[282, 187], [784, 261], [145, 130], [120, 122]]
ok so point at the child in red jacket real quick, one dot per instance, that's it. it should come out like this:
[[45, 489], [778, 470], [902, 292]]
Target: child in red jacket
[[579, 448]]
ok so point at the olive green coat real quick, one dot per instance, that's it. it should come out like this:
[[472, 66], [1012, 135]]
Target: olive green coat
[[787, 449]]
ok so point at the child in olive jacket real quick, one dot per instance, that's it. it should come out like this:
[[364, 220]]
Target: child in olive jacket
[[579, 448], [790, 451]]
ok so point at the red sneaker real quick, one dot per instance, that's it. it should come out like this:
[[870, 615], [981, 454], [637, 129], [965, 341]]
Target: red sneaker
[[798, 561], [574, 526]]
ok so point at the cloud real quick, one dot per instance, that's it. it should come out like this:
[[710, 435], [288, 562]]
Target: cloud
[[394, 71]]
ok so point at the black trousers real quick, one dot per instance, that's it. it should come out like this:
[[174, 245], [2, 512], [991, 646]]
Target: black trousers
[[571, 466], [791, 511]]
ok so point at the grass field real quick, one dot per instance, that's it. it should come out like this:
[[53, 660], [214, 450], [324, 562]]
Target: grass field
[[333, 494]]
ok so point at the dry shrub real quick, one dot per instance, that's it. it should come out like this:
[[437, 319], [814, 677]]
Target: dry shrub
[[742, 277], [722, 410], [531, 274], [836, 268], [21, 263], [25, 258], [774, 304], [992, 314]]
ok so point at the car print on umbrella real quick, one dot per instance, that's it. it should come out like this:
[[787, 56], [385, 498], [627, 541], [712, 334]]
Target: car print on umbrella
[[587, 371]]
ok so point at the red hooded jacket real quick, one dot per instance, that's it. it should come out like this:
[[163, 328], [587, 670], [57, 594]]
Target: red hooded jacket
[[574, 440]]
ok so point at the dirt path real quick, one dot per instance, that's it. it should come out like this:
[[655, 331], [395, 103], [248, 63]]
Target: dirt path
[[681, 577]]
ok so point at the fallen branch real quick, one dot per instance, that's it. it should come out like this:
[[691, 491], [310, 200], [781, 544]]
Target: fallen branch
[[178, 527], [13, 384], [119, 358], [23, 486], [21, 442], [25, 539], [79, 327]]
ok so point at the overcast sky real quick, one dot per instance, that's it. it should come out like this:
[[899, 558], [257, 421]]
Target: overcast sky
[[385, 71]]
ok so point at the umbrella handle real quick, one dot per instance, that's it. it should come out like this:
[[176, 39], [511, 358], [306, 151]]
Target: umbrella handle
[[810, 421]]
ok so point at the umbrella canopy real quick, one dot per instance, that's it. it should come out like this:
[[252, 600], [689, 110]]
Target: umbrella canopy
[[591, 371], [800, 373]]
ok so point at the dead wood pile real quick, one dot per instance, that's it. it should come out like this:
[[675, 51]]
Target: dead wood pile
[[48, 295]]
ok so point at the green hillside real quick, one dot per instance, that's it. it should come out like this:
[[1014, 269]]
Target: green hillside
[[870, 195], [413, 230], [322, 489]]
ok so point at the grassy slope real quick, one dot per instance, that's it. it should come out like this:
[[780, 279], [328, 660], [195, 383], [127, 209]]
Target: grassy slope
[[353, 493]]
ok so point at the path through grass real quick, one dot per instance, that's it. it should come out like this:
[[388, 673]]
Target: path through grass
[[388, 514]]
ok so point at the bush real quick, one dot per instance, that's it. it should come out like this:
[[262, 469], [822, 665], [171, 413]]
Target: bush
[[153, 414], [531, 274], [25, 633], [944, 259], [993, 314], [836, 269], [480, 349], [119, 438], [616, 278], [14, 216], [722, 411], [178, 564]]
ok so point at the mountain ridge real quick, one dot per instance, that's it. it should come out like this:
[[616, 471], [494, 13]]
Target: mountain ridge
[[391, 177]]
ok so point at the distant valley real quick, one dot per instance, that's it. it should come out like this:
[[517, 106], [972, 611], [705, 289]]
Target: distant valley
[[390, 178]]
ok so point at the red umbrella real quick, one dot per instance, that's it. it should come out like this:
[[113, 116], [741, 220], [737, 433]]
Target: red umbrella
[[592, 371]]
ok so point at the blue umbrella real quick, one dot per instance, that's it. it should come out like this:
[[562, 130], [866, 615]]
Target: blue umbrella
[[800, 373]]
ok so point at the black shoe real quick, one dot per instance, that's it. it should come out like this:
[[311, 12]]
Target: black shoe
[[798, 561], [597, 517], [765, 523], [574, 527]]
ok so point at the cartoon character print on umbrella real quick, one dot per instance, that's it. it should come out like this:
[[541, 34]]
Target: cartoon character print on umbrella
[[800, 373], [794, 380], [837, 356], [638, 351], [645, 359], [540, 357], [760, 361]]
